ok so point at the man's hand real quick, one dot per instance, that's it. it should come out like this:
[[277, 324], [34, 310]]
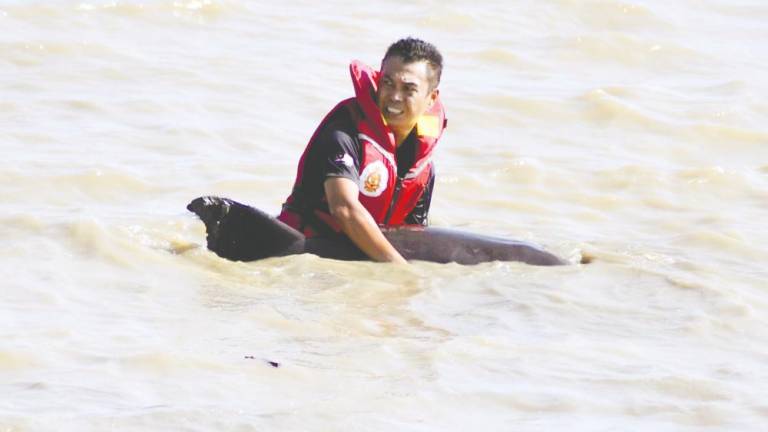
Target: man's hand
[[356, 222]]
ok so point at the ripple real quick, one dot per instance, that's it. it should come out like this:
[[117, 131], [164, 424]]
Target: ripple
[[450, 19], [504, 57], [614, 15], [630, 176], [13, 361], [630, 50], [730, 134], [603, 107], [135, 9]]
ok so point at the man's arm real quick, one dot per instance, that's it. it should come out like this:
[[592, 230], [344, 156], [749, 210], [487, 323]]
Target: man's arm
[[356, 222]]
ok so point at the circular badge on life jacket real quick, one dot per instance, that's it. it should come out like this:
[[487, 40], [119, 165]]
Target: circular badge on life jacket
[[374, 179]]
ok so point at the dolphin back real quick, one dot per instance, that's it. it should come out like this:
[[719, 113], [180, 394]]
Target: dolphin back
[[444, 245]]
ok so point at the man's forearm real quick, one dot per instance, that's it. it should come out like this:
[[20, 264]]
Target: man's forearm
[[356, 222], [360, 227]]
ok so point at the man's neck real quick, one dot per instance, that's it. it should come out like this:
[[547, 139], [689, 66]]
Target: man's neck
[[400, 137]]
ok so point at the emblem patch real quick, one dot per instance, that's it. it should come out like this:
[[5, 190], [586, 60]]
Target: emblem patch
[[374, 179]]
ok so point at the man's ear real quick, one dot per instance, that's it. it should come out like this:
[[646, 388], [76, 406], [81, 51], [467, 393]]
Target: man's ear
[[433, 97]]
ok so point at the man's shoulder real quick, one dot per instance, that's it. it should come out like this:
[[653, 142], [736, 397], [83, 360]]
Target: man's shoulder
[[340, 127], [342, 118]]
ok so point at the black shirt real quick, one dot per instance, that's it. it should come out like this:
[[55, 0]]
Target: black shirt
[[337, 152]]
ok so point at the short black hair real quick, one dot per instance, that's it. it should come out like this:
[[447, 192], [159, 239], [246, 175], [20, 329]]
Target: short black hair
[[414, 50]]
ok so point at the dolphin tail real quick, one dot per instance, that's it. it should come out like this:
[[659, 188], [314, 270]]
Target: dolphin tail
[[241, 233]]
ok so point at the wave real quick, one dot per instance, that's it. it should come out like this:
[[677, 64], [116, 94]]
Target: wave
[[128, 242], [630, 50], [450, 19], [607, 106], [37, 51], [501, 55], [12, 361], [644, 181], [102, 185], [613, 15], [723, 133], [129, 8]]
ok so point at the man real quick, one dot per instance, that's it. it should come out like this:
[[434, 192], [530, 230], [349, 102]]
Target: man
[[369, 163]]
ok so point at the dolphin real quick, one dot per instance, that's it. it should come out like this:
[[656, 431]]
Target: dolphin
[[239, 232]]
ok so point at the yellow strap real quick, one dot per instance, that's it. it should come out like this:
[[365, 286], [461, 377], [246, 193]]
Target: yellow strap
[[428, 125]]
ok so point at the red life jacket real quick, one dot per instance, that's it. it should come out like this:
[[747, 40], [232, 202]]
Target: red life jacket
[[386, 197]]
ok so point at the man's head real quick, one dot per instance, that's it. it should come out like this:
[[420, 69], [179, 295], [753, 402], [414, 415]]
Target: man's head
[[413, 50], [410, 74]]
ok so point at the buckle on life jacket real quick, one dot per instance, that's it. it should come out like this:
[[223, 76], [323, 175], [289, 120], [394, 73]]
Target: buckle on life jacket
[[328, 220]]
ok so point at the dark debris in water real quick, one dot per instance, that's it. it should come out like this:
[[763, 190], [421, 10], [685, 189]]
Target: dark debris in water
[[274, 364]]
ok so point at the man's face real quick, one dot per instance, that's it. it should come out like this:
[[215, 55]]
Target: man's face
[[404, 93]]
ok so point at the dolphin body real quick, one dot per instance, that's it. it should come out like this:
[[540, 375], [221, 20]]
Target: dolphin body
[[239, 232]]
